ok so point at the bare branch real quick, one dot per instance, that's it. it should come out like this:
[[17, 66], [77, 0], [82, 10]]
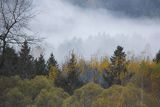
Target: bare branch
[[14, 16]]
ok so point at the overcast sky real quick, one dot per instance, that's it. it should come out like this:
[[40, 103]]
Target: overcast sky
[[93, 31]]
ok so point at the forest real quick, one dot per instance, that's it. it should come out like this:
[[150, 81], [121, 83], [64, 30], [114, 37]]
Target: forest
[[110, 82], [103, 81]]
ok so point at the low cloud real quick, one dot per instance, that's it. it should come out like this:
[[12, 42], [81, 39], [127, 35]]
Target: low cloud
[[91, 31], [131, 8], [104, 45]]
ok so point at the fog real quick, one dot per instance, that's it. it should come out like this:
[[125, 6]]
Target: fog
[[93, 30]]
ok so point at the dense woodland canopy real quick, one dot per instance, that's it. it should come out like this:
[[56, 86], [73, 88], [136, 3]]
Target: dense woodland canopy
[[26, 81], [118, 81]]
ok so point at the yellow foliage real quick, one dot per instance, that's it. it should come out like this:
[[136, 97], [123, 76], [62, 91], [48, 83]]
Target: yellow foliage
[[65, 68], [53, 73], [133, 67], [94, 64], [100, 66], [104, 64], [71, 64], [81, 65]]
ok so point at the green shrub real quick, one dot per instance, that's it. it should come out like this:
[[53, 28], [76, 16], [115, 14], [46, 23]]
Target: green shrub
[[53, 97], [15, 98], [84, 96], [123, 96]]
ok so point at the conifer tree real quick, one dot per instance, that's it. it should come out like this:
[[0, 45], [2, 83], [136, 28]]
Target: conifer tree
[[68, 79], [118, 61], [10, 64], [73, 81], [26, 61], [52, 68], [157, 58], [40, 66], [51, 62], [117, 67]]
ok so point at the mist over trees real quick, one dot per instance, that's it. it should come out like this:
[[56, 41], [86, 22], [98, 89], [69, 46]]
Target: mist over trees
[[39, 82], [27, 81]]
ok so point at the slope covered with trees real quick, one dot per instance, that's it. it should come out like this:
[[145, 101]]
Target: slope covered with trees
[[26, 81], [119, 82]]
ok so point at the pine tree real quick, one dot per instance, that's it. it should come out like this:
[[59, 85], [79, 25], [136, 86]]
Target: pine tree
[[40, 66], [157, 58], [26, 61]]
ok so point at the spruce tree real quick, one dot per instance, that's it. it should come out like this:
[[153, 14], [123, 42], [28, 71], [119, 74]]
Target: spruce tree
[[40, 66], [26, 61], [117, 67], [51, 62], [118, 61]]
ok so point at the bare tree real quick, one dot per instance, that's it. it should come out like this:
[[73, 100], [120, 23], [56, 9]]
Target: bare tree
[[14, 18]]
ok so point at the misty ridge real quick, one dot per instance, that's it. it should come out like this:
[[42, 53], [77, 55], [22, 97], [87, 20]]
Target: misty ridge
[[79, 53], [103, 46]]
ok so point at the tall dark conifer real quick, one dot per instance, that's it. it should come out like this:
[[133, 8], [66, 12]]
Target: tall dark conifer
[[51, 62], [40, 66], [117, 67], [26, 61], [118, 61]]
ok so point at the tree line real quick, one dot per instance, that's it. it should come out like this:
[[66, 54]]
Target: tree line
[[22, 63], [26, 81], [30, 81], [74, 73]]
